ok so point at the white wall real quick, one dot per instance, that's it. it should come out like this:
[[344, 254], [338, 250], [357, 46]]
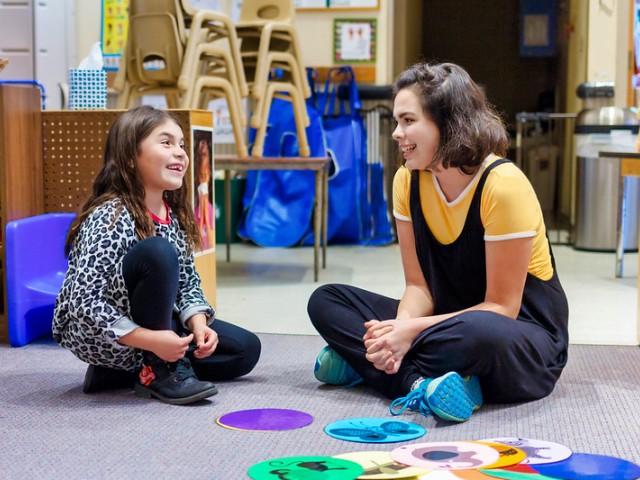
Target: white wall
[[315, 32], [54, 49], [88, 16], [608, 45]]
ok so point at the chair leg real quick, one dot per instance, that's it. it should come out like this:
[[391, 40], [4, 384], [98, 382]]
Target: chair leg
[[301, 119], [258, 144]]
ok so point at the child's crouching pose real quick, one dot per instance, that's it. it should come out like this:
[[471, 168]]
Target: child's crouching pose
[[131, 300]]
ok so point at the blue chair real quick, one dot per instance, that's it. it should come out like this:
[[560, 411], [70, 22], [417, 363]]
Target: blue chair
[[35, 266]]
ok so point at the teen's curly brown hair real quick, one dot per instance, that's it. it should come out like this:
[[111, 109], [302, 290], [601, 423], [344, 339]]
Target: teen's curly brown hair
[[470, 129]]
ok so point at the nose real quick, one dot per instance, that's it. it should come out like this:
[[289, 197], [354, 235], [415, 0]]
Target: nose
[[179, 152], [397, 133]]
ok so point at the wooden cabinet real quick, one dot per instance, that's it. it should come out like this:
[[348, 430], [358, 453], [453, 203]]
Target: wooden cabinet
[[21, 177]]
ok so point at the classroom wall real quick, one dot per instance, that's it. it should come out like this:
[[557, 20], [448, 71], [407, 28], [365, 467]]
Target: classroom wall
[[88, 16], [484, 40], [315, 31], [599, 47]]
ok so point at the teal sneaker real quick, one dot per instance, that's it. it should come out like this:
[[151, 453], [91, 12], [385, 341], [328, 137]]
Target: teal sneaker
[[472, 385], [332, 369], [449, 396], [415, 400]]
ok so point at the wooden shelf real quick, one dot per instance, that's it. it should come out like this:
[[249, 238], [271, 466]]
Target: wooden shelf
[[20, 165]]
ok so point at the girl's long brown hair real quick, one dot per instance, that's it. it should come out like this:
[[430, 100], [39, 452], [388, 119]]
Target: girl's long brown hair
[[470, 128], [118, 177]]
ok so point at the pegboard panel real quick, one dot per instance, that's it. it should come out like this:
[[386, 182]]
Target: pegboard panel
[[73, 147]]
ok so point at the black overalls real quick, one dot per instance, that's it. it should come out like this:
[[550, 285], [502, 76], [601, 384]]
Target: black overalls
[[516, 360]]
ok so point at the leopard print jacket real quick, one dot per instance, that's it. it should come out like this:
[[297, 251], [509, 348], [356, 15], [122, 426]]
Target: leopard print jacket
[[92, 309]]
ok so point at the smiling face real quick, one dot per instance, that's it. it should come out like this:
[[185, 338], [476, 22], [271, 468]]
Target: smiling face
[[417, 135], [162, 161]]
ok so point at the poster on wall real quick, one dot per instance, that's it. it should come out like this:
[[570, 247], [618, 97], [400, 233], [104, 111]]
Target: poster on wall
[[202, 187], [222, 129], [353, 4], [114, 28], [342, 4], [312, 3], [354, 40], [538, 28]]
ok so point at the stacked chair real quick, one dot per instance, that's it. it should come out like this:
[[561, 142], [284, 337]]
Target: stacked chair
[[269, 44], [188, 67], [192, 56]]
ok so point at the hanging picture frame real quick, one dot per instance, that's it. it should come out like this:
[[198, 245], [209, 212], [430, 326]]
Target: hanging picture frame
[[354, 40]]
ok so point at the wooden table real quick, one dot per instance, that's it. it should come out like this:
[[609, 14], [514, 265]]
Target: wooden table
[[319, 165]]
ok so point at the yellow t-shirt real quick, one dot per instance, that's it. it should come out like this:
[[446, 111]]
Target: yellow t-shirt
[[509, 209]]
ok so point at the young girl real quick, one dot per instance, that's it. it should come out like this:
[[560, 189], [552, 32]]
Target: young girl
[[483, 312], [131, 300]]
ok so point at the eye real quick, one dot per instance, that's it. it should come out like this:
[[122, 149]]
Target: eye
[[165, 142]]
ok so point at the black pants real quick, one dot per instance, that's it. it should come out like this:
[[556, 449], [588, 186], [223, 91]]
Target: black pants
[[150, 271], [510, 356]]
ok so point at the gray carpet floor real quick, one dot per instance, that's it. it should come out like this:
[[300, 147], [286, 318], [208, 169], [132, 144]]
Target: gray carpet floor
[[49, 429]]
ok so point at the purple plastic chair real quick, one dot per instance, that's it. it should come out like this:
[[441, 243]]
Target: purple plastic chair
[[36, 265]]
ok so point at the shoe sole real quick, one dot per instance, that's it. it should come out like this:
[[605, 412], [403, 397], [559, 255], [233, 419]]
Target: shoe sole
[[145, 392], [448, 398]]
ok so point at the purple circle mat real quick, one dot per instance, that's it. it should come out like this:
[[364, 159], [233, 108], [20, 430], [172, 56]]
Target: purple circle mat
[[265, 419]]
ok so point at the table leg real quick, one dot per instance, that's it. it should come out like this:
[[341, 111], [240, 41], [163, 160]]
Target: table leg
[[620, 226], [325, 214], [227, 212], [317, 214]]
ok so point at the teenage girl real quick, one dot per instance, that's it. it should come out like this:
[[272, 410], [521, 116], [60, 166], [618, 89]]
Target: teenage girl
[[483, 312]]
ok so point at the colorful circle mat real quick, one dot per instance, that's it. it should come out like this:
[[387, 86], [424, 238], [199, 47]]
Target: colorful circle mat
[[538, 451], [265, 419], [305, 468], [380, 466], [585, 465], [446, 455], [374, 430], [509, 455]]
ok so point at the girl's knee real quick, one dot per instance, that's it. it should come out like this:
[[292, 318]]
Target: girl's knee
[[251, 348], [481, 334], [318, 302], [157, 252]]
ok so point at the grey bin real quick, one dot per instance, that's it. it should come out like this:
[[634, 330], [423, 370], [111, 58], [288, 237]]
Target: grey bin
[[598, 129]]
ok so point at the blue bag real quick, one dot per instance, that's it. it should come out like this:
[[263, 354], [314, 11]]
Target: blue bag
[[346, 144], [278, 205]]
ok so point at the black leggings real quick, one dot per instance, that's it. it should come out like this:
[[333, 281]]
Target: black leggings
[[150, 271], [511, 357]]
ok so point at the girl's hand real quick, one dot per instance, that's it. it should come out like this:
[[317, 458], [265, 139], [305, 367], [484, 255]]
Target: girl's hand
[[387, 343], [169, 346], [206, 341]]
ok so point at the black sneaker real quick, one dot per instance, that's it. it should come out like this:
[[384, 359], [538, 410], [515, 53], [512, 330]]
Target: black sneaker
[[99, 379], [174, 383]]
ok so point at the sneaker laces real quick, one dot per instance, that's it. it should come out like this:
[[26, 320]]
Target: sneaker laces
[[414, 400]]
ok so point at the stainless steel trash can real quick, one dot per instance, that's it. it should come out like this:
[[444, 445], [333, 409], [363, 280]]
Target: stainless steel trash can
[[598, 129]]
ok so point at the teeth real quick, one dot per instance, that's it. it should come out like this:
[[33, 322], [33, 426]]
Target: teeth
[[408, 148]]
